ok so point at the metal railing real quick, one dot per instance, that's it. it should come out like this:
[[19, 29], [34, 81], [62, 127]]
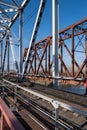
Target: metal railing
[[56, 104], [7, 119]]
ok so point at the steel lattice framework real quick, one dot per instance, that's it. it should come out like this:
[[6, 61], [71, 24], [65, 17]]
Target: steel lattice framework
[[41, 60], [9, 12], [38, 57]]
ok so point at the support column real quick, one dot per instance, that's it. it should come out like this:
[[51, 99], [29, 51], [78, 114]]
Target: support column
[[55, 40], [4, 57], [86, 49], [72, 52], [49, 58], [46, 61], [8, 56], [35, 59], [20, 46], [62, 59], [86, 59], [13, 53]]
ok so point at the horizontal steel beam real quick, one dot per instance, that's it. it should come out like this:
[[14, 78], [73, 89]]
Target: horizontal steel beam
[[73, 25], [57, 77]]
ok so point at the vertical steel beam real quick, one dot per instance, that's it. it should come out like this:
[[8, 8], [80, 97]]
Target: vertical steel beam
[[20, 46], [4, 56], [49, 57], [61, 58], [86, 60], [55, 39], [72, 52], [46, 60], [35, 58], [86, 49], [8, 56], [13, 53]]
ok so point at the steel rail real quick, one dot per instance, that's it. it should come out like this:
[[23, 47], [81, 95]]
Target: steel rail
[[55, 103], [66, 124], [30, 102]]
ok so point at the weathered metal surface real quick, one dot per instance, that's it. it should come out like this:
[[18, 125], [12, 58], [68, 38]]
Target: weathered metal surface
[[8, 120], [44, 47]]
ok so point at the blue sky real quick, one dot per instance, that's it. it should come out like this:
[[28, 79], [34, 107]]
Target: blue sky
[[70, 11]]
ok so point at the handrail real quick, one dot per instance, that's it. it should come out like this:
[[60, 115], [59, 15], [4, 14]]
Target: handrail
[[55, 103], [7, 116]]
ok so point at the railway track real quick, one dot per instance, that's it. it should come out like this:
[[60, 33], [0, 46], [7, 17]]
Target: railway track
[[25, 107], [24, 110], [25, 99], [71, 97]]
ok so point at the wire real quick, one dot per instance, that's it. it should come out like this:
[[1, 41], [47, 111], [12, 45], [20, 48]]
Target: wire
[[28, 18]]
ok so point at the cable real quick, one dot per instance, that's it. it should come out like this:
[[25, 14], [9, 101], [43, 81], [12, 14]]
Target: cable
[[28, 18]]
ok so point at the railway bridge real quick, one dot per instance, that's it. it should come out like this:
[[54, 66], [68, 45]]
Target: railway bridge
[[34, 77]]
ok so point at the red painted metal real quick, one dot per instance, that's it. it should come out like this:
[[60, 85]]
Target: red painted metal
[[7, 119], [72, 52], [86, 50], [65, 67], [49, 58], [43, 48]]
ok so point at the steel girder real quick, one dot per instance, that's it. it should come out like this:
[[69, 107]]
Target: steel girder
[[75, 34], [40, 58], [9, 12], [34, 34]]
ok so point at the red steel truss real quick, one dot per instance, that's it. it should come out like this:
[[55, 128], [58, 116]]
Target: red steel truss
[[73, 42]]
